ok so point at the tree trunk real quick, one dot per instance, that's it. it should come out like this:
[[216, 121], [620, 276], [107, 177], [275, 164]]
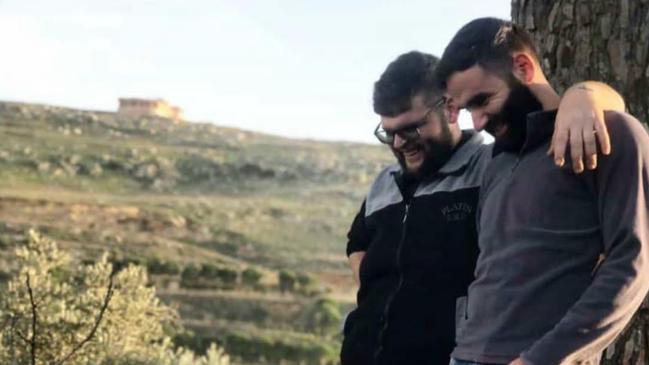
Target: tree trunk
[[604, 40]]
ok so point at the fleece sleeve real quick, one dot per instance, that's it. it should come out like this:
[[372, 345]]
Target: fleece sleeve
[[358, 236], [621, 282]]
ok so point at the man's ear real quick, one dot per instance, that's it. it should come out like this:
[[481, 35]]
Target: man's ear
[[523, 67], [451, 111]]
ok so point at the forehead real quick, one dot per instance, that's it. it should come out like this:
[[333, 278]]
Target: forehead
[[417, 109], [463, 85]]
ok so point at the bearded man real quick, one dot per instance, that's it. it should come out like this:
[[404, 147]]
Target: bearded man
[[413, 245], [564, 258]]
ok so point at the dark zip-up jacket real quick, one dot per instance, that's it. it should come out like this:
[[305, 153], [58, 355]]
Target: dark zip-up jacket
[[564, 258], [420, 255]]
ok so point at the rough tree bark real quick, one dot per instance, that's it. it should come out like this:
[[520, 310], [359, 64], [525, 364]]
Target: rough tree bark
[[605, 40]]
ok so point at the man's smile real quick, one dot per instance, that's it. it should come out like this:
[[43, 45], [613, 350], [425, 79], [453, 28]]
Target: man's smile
[[412, 154]]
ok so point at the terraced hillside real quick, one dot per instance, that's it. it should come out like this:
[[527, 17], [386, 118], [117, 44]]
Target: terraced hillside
[[242, 232]]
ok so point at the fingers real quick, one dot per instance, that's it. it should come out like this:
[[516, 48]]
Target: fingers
[[558, 146], [602, 136], [590, 149], [583, 146], [577, 152]]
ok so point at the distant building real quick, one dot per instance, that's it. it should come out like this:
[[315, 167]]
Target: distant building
[[136, 107]]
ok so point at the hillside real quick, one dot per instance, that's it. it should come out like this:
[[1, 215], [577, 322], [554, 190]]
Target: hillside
[[242, 232]]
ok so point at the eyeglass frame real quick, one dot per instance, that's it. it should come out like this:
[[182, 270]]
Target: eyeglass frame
[[413, 127]]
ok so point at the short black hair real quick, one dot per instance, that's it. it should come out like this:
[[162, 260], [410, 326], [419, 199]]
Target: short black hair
[[488, 42], [409, 75]]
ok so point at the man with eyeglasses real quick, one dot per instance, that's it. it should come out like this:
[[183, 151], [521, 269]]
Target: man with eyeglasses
[[413, 245]]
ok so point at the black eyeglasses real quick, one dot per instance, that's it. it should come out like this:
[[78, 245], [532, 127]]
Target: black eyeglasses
[[409, 132]]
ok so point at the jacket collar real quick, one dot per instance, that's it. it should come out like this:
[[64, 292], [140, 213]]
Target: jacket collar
[[458, 161], [462, 156], [540, 127]]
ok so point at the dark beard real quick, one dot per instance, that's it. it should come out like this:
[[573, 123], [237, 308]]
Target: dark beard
[[436, 153], [520, 102]]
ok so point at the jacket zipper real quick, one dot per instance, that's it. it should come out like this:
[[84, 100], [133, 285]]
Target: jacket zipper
[[515, 166], [519, 156], [388, 304]]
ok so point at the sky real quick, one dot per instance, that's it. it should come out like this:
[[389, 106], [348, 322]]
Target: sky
[[302, 69]]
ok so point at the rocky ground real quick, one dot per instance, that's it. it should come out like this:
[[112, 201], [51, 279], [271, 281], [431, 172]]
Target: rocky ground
[[243, 232]]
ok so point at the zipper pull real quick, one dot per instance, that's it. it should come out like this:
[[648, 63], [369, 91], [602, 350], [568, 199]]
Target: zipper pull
[[405, 214]]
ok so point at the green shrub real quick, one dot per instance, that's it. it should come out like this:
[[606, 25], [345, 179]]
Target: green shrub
[[323, 317], [307, 284], [287, 281], [158, 267], [122, 263], [126, 321], [251, 277], [208, 276], [257, 348], [190, 277]]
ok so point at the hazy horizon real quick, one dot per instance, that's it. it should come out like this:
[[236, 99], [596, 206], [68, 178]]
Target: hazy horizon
[[281, 67]]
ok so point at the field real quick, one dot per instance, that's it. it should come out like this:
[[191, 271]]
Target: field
[[243, 233]]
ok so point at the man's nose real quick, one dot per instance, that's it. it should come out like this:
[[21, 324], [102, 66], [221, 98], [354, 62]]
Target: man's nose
[[398, 141], [479, 119]]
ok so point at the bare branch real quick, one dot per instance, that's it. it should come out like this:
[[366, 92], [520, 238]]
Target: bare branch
[[32, 340], [100, 316], [22, 336]]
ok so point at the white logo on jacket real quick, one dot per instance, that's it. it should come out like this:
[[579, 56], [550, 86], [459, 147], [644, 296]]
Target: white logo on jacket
[[456, 211]]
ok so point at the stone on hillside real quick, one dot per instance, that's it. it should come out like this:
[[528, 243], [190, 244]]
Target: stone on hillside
[[91, 118], [96, 170], [160, 185], [69, 169], [167, 172], [164, 183], [178, 221], [74, 159], [124, 212], [147, 171], [43, 167], [78, 131], [25, 112]]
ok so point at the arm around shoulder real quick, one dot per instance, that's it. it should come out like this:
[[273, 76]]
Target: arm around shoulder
[[580, 123]]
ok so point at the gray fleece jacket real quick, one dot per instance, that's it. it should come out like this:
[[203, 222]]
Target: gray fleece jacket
[[564, 259]]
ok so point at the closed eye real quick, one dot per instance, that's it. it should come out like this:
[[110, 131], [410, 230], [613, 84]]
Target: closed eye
[[409, 128], [478, 100]]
